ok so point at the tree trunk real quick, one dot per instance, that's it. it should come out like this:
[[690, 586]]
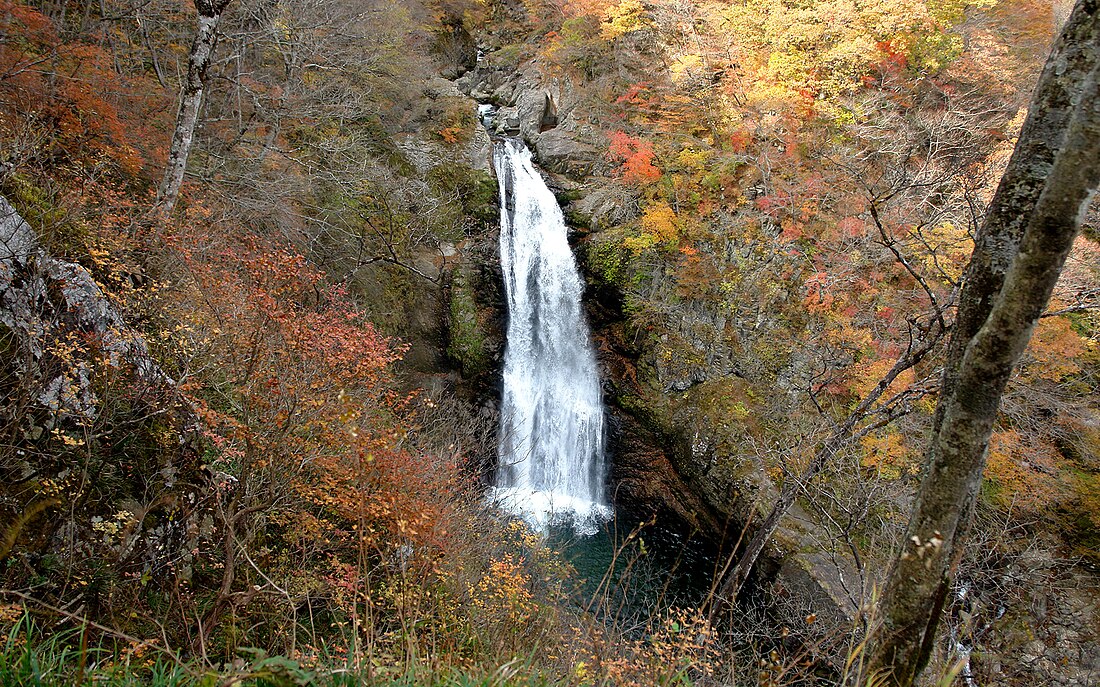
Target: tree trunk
[[198, 62], [1057, 93], [920, 580]]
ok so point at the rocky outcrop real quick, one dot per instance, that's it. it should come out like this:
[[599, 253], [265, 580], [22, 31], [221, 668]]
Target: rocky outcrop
[[455, 47], [536, 111], [566, 153], [541, 111], [74, 371], [1034, 621], [681, 464], [39, 294], [425, 154]]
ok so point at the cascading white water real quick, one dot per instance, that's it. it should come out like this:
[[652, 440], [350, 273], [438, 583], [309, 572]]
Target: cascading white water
[[552, 423]]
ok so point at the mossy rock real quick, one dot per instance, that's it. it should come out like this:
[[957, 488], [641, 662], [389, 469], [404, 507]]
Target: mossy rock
[[475, 190], [467, 342], [58, 235]]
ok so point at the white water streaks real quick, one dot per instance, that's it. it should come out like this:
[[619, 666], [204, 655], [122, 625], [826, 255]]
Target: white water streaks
[[552, 424]]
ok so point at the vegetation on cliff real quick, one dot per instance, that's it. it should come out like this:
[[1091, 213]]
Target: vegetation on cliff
[[232, 446]]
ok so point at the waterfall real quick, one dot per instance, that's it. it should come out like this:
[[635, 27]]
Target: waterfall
[[552, 424]]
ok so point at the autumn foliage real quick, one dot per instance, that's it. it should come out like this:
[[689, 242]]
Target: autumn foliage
[[788, 193], [636, 157], [63, 104]]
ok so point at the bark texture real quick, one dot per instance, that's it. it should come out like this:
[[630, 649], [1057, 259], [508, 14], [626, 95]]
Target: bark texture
[[1072, 57], [198, 63], [1001, 312]]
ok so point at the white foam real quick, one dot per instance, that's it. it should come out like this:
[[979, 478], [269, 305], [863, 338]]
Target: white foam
[[551, 466], [541, 509]]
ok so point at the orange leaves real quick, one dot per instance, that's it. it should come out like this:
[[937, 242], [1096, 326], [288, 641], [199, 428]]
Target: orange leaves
[[660, 221], [819, 295], [1023, 471], [637, 96], [502, 594], [382, 496], [851, 227], [62, 104], [740, 140], [300, 404], [637, 158], [578, 8], [36, 27], [1054, 351], [792, 231], [303, 367], [451, 134], [660, 227], [774, 203]]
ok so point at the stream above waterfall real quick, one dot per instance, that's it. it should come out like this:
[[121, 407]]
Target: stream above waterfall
[[551, 456]]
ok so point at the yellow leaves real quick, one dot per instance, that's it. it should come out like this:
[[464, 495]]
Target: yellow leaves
[[950, 12], [845, 63], [581, 673], [832, 48], [111, 527], [659, 227], [888, 455], [68, 439], [660, 221], [503, 593], [946, 250], [789, 68], [685, 67], [868, 374], [693, 160], [1023, 471], [281, 26], [1053, 351], [625, 17]]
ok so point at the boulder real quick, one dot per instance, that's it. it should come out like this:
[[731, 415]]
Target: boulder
[[607, 204], [537, 113], [507, 122], [563, 152]]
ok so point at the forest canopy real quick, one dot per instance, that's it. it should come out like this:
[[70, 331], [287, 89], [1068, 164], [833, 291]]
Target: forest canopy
[[252, 330]]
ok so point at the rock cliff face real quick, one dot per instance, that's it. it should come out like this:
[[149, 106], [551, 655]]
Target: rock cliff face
[[667, 458], [40, 295], [545, 113], [45, 304]]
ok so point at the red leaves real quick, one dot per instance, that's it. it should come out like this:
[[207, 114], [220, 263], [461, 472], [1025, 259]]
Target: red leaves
[[636, 156], [774, 203], [67, 94], [851, 227], [740, 140], [638, 96], [792, 231], [894, 60], [300, 401]]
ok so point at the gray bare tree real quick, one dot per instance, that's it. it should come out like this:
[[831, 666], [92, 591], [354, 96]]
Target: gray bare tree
[[198, 63]]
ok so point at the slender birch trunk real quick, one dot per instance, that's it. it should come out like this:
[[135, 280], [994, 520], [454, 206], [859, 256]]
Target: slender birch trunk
[[198, 62]]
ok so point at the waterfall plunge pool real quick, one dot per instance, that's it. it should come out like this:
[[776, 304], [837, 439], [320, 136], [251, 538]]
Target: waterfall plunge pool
[[552, 469]]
